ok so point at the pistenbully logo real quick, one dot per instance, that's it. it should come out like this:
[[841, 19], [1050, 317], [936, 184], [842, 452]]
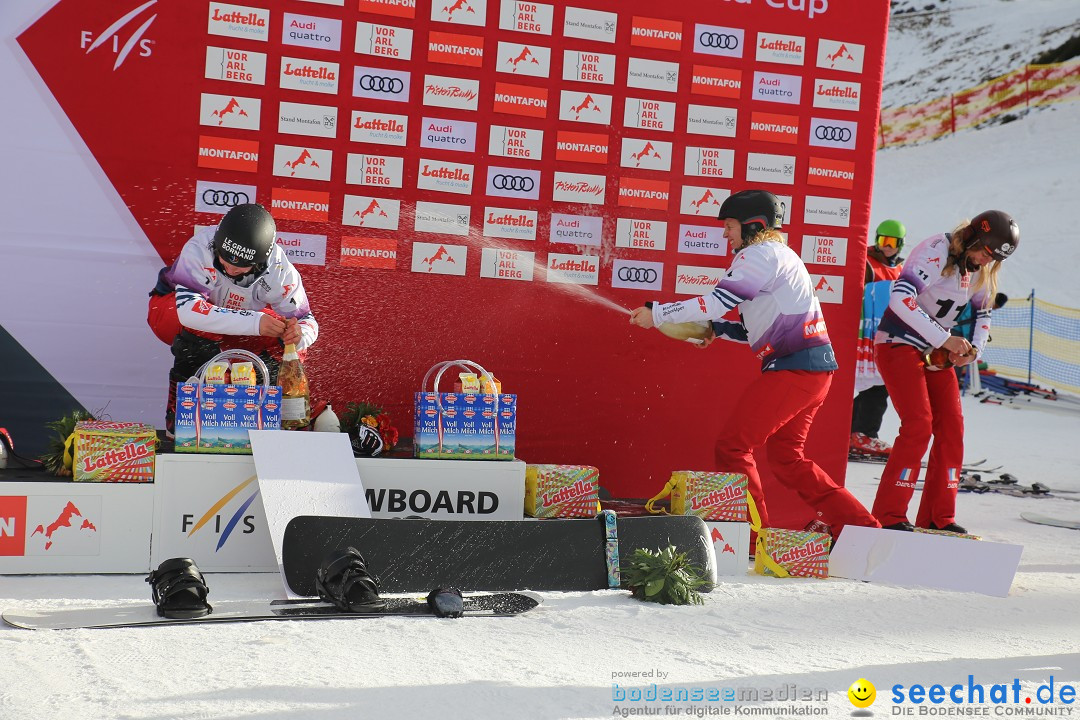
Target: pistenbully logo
[[111, 36]]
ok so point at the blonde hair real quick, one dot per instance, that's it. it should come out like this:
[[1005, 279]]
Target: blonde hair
[[766, 235], [987, 275]]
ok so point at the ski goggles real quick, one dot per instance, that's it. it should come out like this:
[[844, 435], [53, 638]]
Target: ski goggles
[[889, 241]]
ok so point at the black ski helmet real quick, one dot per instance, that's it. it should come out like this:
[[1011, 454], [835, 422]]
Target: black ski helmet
[[245, 237], [996, 231], [753, 207]]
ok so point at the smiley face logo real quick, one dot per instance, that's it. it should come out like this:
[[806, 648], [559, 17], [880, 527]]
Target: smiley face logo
[[862, 693]]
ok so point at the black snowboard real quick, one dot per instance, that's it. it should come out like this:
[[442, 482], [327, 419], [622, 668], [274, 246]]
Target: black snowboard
[[416, 555], [496, 605]]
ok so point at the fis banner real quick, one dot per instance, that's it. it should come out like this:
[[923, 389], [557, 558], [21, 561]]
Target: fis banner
[[497, 178]]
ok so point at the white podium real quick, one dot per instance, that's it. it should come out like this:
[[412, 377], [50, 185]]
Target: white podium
[[69, 527], [208, 507]]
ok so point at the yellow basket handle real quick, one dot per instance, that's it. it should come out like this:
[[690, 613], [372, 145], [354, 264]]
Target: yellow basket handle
[[668, 487], [759, 549]]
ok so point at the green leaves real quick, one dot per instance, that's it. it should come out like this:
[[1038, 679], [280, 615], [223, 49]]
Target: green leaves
[[664, 576], [57, 458]]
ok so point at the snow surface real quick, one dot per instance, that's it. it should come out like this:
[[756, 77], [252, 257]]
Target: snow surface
[[937, 49], [560, 660]]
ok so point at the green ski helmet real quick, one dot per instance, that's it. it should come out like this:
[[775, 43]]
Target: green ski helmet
[[891, 228]]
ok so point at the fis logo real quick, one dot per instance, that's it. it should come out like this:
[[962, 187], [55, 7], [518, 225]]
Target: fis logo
[[111, 36], [213, 515]]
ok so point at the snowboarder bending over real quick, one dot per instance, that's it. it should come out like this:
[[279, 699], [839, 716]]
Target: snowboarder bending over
[[232, 280], [942, 274], [783, 324]]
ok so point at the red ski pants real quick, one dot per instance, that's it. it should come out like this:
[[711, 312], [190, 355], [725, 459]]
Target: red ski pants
[[162, 319], [776, 411], [928, 403]]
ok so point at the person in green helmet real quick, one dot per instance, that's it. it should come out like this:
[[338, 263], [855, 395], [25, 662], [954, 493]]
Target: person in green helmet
[[883, 265]]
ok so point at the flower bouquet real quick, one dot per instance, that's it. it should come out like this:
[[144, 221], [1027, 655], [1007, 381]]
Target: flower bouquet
[[369, 429]]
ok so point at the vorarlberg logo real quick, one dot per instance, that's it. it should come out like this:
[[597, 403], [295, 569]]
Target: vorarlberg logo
[[213, 515]]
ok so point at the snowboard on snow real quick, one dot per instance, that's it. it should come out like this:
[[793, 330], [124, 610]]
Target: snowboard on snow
[[973, 466], [1008, 485], [144, 614], [1056, 522], [416, 555]]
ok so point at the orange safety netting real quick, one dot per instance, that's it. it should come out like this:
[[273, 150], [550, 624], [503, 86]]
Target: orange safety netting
[[1031, 86]]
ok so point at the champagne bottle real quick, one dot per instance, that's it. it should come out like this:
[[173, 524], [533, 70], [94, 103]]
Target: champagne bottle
[[696, 332], [295, 396], [937, 359]]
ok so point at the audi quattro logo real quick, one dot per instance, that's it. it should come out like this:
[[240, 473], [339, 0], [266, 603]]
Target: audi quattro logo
[[629, 273], [833, 133], [517, 183], [720, 41], [224, 198], [377, 83]]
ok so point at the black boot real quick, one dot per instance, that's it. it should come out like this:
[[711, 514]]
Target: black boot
[[179, 589], [272, 366], [190, 352], [903, 525], [344, 580], [951, 527]]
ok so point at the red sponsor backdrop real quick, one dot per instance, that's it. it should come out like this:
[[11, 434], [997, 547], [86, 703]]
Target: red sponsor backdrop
[[553, 91]]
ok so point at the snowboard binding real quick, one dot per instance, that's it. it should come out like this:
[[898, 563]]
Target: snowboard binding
[[344, 581], [179, 589], [446, 602]]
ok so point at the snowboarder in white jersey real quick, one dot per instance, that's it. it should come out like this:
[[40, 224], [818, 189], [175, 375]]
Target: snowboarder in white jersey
[[783, 324], [914, 351], [234, 286]]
